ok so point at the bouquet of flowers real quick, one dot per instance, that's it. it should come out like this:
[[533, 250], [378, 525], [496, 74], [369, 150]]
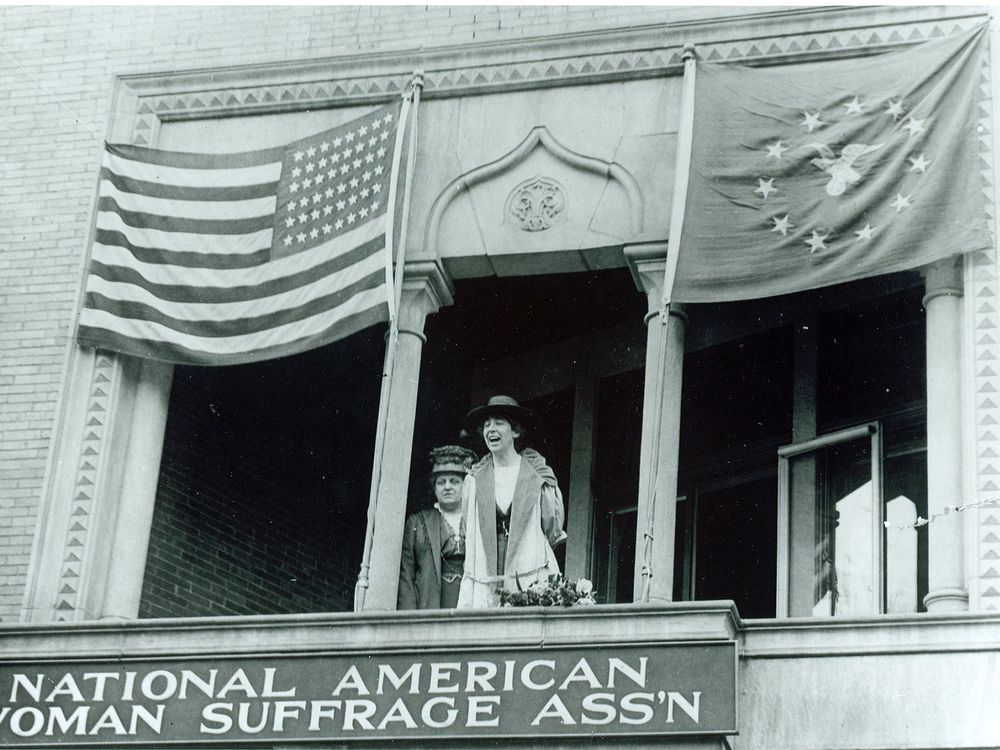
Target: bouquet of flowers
[[556, 592]]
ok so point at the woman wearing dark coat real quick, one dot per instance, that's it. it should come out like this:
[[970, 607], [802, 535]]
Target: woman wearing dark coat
[[430, 570]]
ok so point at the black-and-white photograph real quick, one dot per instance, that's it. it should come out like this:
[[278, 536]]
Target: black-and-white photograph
[[534, 376]]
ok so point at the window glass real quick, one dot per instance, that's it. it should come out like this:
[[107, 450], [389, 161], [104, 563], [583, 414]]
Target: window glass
[[833, 493]]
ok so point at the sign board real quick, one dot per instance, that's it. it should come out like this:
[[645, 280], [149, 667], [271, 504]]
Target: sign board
[[606, 690]]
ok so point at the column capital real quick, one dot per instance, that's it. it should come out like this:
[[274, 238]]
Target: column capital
[[426, 289], [647, 263], [943, 279]]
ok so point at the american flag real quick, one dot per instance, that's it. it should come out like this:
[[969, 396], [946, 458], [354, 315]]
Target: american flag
[[222, 259]]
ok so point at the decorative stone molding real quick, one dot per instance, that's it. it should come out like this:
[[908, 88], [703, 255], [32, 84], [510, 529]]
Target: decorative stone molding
[[539, 137], [982, 291], [570, 59], [536, 204]]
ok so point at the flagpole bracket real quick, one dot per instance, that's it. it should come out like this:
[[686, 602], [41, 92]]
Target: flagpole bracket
[[690, 52]]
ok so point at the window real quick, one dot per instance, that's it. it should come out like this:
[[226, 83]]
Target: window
[[803, 428]]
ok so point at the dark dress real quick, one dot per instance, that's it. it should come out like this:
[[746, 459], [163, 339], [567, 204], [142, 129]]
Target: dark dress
[[431, 564]]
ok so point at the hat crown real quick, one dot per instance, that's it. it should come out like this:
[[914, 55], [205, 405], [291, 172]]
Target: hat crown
[[500, 406], [502, 401], [451, 459]]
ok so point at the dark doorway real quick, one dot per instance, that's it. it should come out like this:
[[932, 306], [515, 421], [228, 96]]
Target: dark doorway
[[537, 338]]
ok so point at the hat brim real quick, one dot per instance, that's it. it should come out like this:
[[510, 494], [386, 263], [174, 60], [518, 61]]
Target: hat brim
[[524, 417]]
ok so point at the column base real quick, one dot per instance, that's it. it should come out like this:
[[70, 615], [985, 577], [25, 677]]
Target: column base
[[947, 600]]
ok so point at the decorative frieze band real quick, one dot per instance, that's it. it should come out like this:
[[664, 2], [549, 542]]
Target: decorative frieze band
[[611, 55]]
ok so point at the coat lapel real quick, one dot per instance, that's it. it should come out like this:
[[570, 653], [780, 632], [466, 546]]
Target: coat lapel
[[526, 491], [434, 535], [486, 506]]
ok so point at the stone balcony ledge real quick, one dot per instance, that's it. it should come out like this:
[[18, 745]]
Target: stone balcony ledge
[[528, 628]]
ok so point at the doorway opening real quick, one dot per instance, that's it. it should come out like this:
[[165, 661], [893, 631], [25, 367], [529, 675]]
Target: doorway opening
[[556, 343]]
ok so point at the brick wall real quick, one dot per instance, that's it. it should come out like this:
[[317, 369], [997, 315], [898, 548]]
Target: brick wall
[[254, 514], [57, 71]]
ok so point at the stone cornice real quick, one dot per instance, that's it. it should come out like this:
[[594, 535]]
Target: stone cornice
[[560, 60]]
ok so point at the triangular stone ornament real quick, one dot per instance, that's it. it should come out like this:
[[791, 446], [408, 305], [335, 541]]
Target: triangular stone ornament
[[67, 589], [64, 606], [991, 538], [71, 557]]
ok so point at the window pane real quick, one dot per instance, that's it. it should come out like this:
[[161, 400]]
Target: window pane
[[905, 478], [832, 496]]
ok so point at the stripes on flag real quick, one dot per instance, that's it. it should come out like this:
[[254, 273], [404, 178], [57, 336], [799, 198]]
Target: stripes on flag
[[218, 259]]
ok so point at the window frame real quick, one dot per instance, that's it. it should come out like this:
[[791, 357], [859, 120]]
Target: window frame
[[871, 430]]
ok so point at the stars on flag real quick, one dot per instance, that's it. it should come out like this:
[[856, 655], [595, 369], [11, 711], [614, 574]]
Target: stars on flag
[[782, 225], [765, 187], [901, 202], [811, 120], [776, 149], [817, 241], [866, 233], [352, 164], [895, 108], [855, 106], [920, 163], [794, 212], [915, 126]]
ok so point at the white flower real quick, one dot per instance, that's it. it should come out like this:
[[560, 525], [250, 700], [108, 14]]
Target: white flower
[[584, 587]]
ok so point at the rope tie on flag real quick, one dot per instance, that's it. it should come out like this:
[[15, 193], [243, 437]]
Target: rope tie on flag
[[682, 170], [394, 286], [947, 510]]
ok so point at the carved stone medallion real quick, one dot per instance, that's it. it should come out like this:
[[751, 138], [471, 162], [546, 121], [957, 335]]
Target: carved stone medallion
[[536, 204]]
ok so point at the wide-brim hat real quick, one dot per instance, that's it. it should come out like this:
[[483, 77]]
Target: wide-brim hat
[[500, 406], [451, 459]]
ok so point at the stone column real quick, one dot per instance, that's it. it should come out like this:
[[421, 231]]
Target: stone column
[[943, 304], [580, 519], [425, 290], [659, 451], [135, 502]]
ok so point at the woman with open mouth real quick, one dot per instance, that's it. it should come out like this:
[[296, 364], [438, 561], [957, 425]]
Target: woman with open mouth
[[513, 507]]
